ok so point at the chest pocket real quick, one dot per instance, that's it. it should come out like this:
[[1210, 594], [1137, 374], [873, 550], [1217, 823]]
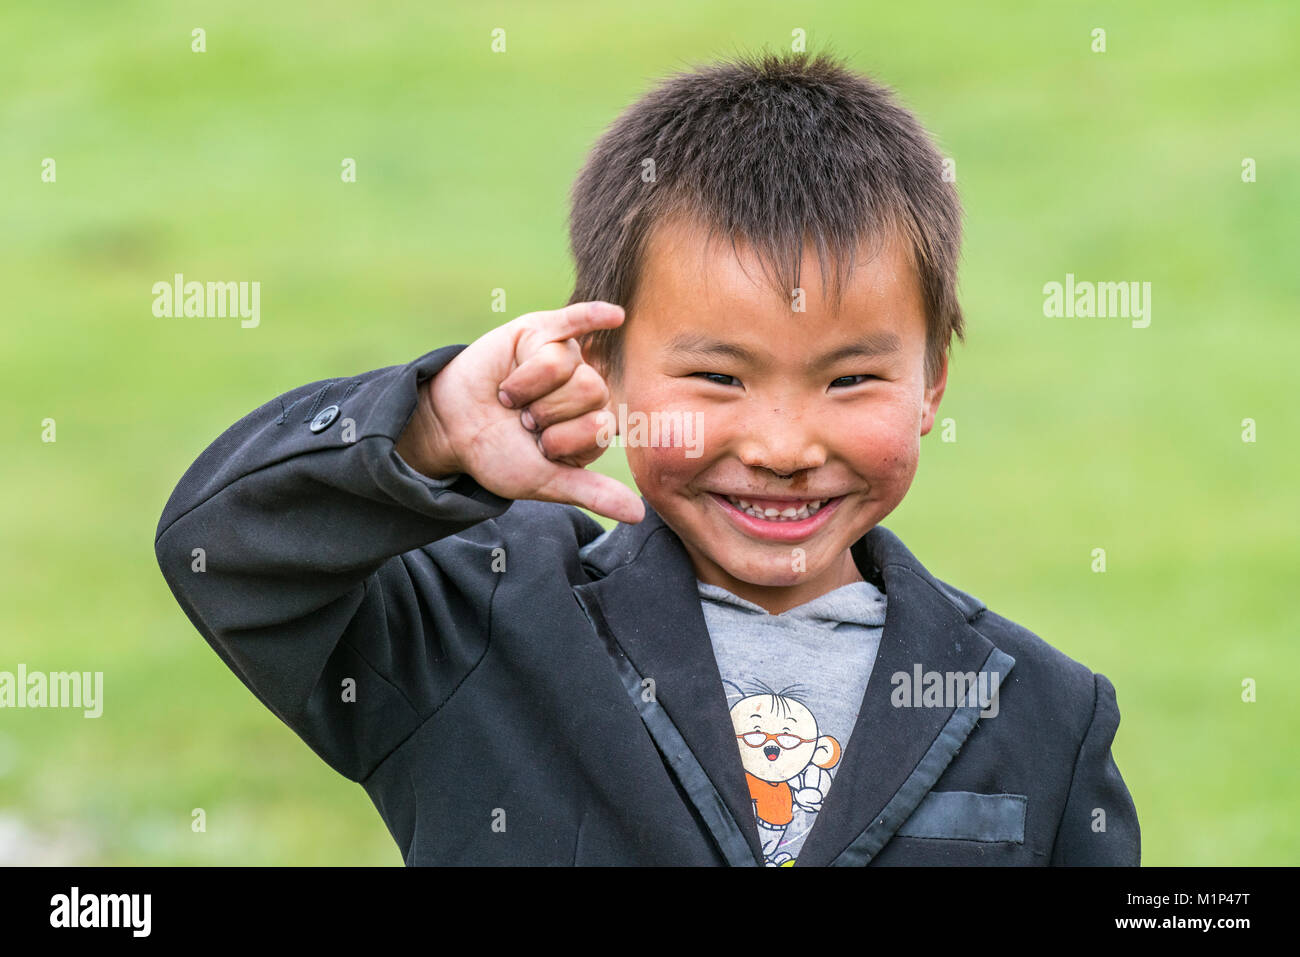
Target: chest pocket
[[968, 816]]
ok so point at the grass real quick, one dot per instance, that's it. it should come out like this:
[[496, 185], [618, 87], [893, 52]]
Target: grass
[[1071, 434]]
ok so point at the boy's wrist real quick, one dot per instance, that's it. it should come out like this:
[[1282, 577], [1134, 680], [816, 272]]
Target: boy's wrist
[[423, 444]]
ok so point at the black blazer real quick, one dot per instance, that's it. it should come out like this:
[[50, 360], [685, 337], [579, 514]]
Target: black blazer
[[480, 667]]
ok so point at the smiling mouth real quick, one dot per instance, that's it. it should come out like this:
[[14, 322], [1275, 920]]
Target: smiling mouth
[[778, 511], [787, 520]]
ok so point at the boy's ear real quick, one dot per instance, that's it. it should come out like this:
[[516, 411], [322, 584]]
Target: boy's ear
[[932, 396], [593, 358], [589, 355]]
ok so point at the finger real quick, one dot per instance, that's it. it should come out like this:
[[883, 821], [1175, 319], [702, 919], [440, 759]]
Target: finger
[[545, 371], [571, 322], [580, 441], [595, 492], [585, 392]]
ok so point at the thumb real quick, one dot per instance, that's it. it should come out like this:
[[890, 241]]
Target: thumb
[[598, 493]]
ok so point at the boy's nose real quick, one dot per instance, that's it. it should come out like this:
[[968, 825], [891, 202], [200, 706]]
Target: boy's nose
[[783, 447]]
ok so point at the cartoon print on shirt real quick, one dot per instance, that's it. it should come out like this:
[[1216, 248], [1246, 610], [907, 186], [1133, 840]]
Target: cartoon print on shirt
[[786, 761]]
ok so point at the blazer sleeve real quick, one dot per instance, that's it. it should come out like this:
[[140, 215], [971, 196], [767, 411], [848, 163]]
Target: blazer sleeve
[[284, 543], [1085, 836]]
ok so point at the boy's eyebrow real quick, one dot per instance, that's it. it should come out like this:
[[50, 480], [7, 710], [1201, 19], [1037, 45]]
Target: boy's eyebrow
[[871, 345]]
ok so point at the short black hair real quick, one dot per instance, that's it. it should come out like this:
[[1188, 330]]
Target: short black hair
[[780, 149]]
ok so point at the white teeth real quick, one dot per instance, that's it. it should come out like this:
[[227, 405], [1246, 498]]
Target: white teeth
[[788, 514]]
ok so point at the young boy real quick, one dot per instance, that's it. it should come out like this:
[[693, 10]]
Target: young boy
[[749, 669]]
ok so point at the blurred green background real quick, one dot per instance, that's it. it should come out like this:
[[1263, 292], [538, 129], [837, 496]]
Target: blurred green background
[[1072, 434]]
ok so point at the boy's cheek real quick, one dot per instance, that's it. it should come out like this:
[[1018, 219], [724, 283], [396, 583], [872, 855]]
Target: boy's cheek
[[662, 469], [882, 453], [894, 474]]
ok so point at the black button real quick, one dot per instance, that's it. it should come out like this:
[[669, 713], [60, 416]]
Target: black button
[[325, 418]]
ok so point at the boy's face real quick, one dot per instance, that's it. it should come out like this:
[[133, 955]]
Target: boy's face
[[794, 409]]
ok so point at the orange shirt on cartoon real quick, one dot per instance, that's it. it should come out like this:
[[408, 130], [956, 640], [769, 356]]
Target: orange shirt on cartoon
[[775, 802]]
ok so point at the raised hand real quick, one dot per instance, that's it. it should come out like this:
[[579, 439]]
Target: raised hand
[[519, 411]]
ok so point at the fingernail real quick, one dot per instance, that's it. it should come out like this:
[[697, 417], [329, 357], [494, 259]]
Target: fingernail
[[504, 399], [529, 422]]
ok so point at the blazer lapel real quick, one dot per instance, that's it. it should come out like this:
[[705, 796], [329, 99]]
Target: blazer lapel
[[644, 605], [896, 754], [646, 609]]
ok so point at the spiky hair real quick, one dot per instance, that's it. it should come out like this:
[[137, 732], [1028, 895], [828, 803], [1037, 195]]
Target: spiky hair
[[780, 150]]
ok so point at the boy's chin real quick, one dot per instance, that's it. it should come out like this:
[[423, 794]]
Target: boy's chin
[[781, 570]]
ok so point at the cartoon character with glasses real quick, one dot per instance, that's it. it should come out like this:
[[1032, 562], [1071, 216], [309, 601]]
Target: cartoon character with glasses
[[786, 761]]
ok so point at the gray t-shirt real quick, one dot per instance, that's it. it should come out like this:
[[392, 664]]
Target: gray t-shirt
[[794, 684]]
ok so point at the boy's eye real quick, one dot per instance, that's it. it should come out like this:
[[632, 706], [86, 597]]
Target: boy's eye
[[719, 377], [848, 380]]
